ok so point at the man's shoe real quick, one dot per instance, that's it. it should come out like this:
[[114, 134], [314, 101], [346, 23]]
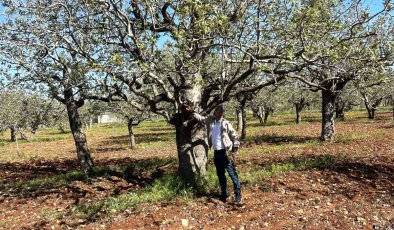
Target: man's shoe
[[237, 199], [223, 197]]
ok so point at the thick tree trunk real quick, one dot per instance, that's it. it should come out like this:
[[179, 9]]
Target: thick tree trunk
[[13, 133], [131, 134], [328, 109], [83, 153], [267, 112], [34, 129], [339, 112], [22, 133], [371, 113], [243, 131], [239, 119], [258, 114], [298, 115], [192, 146]]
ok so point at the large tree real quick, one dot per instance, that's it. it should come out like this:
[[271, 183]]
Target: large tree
[[196, 52]]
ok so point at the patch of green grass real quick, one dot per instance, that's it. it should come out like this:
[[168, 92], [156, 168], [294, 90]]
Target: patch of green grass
[[348, 138], [166, 188], [255, 175], [208, 183]]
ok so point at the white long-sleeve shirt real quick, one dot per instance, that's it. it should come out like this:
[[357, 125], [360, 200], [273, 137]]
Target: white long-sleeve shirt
[[217, 140]]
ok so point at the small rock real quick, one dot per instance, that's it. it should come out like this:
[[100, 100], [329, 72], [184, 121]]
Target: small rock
[[185, 222], [360, 219]]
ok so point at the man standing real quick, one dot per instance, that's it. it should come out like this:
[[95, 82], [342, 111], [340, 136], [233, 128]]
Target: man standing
[[224, 140]]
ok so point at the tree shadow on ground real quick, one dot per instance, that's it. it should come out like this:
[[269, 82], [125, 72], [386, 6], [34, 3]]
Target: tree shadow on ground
[[277, 139], [284, 122], [144, 138], [160, 129], [42, 177]]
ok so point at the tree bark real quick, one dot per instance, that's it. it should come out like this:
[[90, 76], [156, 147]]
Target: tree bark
[[239, 119], [22, 133], [13, 133], [371, 113], [34, 129], [267, 111], [298, 115], [243, 131], [131, 134], [328, 109], [192, 146], [258, 113], [392, 104], [83, 153], [371, 107], [339, 112]]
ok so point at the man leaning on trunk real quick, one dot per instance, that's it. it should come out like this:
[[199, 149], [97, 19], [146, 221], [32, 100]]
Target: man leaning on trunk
[[224, 140]]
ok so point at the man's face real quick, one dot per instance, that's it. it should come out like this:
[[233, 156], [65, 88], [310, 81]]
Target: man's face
[[218, 113]]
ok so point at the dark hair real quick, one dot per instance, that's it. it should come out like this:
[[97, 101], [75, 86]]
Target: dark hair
[[222, 108]]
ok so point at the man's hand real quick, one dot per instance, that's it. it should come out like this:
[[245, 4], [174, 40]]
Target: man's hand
[[187, 107], [235, 152]]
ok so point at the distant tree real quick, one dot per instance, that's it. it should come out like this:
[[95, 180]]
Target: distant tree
[[132, 115], [91, 111], [372, 93], [347, 99], [300, 97]]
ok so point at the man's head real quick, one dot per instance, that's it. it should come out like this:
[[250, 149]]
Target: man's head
[[219, 112]]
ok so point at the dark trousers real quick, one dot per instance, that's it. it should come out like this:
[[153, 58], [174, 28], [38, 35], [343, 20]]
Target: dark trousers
[[222, 163]]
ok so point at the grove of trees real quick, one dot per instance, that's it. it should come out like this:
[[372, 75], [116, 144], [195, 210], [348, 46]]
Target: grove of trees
[[153, 56]]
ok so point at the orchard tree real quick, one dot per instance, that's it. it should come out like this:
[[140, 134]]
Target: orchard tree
[[134, 116], [347, 99], [38, 42], [300, 97], [372, 92], [13, 114], [40, 111], [341, 41], [210, 47], [91, 111]]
